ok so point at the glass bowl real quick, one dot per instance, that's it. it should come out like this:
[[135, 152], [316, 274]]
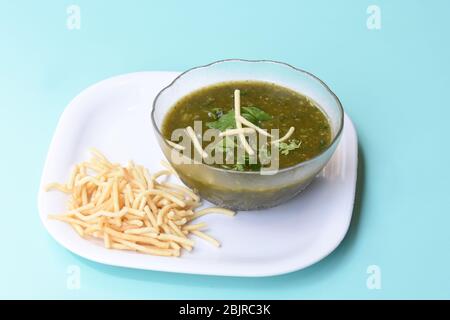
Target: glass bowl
[[249, 190]]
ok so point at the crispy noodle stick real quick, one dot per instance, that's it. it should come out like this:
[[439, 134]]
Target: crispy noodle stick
[[100, 156], [213, 210], [168, 166], [175, 145], [165, 236], [206, 237], [286, 136], [168, 196], [237, 114], [234, 132], [78, 229], [193, 227], [107, 240], [69, 220], [143, 239], [189, 192], [147, 230], [196, 143], [251, 125], [57, 186], [94, 216], [146, 249], [160, 173]]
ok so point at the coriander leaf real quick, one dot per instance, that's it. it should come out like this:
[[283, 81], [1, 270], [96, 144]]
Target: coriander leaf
[[215, 113], [286, 147], [254, 114], [254, 166], [225, 145], [238, 167], [250, 118], [226, 121], [244, 162]]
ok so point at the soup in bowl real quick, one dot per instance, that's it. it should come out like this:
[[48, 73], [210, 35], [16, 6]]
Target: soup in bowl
[[247, 134]]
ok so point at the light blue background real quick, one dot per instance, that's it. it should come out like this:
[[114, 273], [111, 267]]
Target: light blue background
[[393, 82]]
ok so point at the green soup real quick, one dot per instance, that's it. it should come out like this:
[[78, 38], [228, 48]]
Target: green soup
[[267, 105]]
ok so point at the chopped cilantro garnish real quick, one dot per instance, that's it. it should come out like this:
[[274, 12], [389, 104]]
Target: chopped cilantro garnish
[[255, 115], [227, 120], [286, 147]]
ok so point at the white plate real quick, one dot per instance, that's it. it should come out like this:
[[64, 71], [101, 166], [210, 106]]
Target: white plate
[[114, 116]]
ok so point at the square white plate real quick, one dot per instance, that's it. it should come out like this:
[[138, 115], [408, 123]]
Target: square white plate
[[114, 116]]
